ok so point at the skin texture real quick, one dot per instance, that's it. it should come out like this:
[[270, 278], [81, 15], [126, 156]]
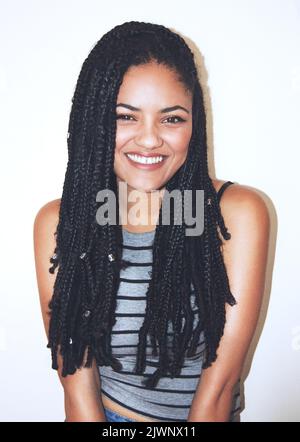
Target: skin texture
[[152, 88]]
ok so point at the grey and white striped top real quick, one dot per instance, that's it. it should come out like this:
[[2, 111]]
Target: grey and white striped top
[[171, 399]]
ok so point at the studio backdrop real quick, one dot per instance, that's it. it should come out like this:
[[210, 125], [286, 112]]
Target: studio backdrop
[[248, 55]]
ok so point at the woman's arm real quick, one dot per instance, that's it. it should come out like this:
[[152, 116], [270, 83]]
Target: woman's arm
[[245, 256], [82, 389]]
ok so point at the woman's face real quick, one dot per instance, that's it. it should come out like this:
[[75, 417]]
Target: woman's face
[[154, 123]]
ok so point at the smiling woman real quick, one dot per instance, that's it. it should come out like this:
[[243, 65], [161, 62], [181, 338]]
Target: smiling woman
[[144, 322]]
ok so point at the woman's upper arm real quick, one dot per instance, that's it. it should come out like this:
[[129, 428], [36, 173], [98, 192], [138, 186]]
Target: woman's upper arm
[[45, 225], [245, 256]]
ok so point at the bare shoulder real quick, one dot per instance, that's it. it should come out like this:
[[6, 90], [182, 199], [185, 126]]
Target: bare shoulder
[[47, 214], [247, 219], [44, 228], [241, 203]]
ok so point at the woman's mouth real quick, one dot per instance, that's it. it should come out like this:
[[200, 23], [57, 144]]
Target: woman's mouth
[[146, 163]]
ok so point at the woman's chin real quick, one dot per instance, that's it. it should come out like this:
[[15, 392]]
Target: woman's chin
[[141, 187]]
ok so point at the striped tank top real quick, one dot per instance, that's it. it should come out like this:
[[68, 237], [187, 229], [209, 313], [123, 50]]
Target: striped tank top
[[171, 399]]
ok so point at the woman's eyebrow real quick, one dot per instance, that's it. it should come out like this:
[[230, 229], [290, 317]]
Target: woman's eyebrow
[[165, 110]]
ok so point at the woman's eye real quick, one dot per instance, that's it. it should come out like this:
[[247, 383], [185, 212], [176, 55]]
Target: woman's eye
[[176, 117], [126, 117], [122, 117]]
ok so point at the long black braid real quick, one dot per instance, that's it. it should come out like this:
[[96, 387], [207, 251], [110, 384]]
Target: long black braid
[[89, 255]]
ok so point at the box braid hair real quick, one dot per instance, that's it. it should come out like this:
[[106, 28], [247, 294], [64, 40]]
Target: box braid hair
[[82, 308]]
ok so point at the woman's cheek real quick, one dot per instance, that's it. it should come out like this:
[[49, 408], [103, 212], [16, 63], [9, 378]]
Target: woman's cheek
[[121, 138], [179, 139]]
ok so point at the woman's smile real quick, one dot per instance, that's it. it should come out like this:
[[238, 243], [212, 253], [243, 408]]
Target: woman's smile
[[142, 162]]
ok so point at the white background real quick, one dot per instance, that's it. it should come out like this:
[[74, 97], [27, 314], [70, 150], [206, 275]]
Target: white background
[[250, 52]]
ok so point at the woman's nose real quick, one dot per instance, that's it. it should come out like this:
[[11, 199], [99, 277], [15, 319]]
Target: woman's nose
[[149, 137]]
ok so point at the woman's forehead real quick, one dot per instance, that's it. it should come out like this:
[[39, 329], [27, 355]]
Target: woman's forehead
[[151, 85]]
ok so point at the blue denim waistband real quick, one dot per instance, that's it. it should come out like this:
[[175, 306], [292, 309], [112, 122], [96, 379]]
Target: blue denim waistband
[[112, 416]]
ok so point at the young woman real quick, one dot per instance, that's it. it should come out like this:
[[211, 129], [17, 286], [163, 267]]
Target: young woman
[[145, 322]]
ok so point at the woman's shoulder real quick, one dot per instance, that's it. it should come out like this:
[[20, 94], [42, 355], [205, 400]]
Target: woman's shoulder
[[46, 218], [49, 210], [242, 203]]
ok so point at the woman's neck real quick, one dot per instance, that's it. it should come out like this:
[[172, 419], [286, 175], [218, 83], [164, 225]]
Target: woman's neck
[[139, 210]]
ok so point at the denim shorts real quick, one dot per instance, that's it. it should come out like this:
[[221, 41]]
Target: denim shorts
[[112, 416]]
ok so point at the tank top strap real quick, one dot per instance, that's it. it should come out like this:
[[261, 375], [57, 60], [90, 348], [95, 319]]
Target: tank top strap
[[223, 188]]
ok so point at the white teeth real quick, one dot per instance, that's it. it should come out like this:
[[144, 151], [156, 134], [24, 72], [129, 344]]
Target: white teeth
[[144, 160]]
